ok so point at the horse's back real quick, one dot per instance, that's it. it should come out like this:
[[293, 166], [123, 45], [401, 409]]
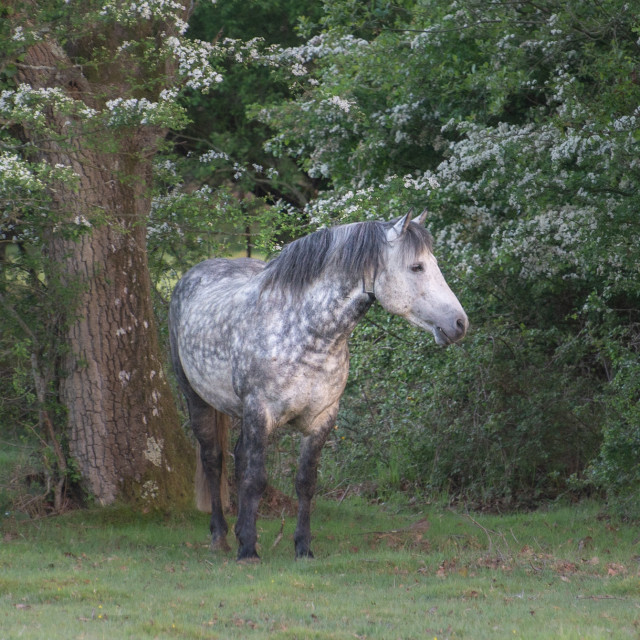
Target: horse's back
[[214, 278]]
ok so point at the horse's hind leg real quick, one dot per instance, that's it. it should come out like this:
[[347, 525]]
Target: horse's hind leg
[[306, 478], [210, 432], [208, 426]]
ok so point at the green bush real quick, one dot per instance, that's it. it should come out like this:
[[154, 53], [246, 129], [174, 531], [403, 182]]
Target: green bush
[[496, 421], [617, 468]]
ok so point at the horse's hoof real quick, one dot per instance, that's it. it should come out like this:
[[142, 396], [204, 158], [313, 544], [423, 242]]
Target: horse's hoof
[[247, 554], [305, 555], [220, 544]]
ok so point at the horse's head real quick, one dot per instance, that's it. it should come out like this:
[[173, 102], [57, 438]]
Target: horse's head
[[409, 283]]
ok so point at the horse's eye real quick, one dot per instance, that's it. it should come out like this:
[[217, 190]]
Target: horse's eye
[[417, 268]]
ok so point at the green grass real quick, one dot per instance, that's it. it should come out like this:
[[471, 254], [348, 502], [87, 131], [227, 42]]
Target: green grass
[[379, 572]]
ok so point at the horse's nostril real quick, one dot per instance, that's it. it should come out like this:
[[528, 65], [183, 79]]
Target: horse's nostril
[[462, 325]]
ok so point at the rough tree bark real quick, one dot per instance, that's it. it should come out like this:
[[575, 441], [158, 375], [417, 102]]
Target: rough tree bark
[[124, 432]]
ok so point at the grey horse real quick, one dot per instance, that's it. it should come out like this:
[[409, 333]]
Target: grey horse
[[266, 343]]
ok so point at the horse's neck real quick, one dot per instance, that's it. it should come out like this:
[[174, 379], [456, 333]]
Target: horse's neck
[[332, 309]]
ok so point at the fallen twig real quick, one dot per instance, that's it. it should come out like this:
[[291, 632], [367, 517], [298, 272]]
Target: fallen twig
[[344, 495], [488, 533], [601, 597], [276, 542]]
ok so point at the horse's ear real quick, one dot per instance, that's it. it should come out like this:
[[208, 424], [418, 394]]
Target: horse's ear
[[401, 226], [421, 218]]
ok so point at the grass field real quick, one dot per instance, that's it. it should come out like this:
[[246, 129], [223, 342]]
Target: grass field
[[380, 572]]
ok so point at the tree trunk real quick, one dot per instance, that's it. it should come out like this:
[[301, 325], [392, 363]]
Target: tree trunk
[[123, 428]]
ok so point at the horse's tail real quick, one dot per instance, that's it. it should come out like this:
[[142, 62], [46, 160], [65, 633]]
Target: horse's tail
[[203, 493]]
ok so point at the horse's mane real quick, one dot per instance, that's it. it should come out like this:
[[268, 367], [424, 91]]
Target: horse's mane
[[353, 249]]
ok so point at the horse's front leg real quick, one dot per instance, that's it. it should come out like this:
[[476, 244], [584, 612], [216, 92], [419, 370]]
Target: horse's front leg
[[251, 479], [307, 476]]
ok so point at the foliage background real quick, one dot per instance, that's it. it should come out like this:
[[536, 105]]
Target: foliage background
[[517, 125], [526, 115]]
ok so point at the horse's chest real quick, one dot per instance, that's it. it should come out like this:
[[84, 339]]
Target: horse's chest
[[297, 382]]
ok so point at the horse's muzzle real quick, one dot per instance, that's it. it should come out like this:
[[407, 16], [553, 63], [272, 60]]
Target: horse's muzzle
[[455, 332]]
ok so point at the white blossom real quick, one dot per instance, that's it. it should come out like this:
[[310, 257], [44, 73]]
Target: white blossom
[[18, 35], [341, 103], [212, 154], [128, 12], [16, 172], [194, 63]]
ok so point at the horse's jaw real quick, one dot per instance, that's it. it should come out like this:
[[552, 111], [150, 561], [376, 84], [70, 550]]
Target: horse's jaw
[[442, 337]]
